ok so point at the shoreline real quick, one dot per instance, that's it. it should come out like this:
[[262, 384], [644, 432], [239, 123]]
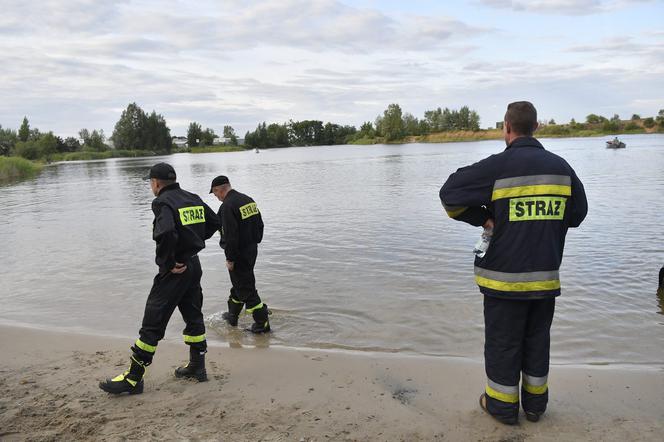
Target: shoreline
[[49, 380], [215, 341]]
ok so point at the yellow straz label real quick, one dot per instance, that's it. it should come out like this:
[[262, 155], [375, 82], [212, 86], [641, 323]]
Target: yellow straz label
[[192, 215], [248, 210], [537, 208]]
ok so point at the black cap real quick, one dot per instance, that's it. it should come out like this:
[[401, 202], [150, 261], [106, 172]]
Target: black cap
[[162, 171], [218, 181]]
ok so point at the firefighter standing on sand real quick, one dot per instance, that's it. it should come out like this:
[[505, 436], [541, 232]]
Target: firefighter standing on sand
[[181, 225], [529, 197]]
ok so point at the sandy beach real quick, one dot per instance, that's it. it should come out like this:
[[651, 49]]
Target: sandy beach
[[49, 383]]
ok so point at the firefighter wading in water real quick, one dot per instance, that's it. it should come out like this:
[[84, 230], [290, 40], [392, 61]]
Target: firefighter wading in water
[[242, 231], [182, 223], [530, 197]]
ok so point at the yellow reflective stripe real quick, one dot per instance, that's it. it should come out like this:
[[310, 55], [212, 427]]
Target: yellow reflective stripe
[[248, 210], [530, 286], [503, 397], [235, 301], [192, 215], [120, 377], [199, 338], [147, 347], [535, 389], [542, 189], [133, 383], [453, 213], [256, 307]]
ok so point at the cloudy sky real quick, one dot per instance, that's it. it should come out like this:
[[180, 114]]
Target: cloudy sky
[[78, 63]]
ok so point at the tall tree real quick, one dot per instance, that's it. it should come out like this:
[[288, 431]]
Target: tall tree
[[207, 137], [194, 134], [411, 124], [128, 132], [156, 136], [392, 123], [94, 141], [8, 140], [24, 130], [229, 133]]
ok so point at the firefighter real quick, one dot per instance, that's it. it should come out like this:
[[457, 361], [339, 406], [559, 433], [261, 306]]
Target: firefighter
[[529, 197], [242, 231], [182, 223]]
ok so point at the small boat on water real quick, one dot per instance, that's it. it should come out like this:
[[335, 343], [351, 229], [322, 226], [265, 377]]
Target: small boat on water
[[615, 144]]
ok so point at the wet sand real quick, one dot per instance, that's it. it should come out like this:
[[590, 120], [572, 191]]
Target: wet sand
[[49, 392]]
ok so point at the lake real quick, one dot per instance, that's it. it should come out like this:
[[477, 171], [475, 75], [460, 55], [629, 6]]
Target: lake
[[357, 255]]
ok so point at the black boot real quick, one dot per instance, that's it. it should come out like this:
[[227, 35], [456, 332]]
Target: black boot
[[195, 369], [234, 309], [261, 322], [130, 381]]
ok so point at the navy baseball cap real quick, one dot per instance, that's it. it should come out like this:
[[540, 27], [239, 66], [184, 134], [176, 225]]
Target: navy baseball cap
[[162, 171], [218, 181]]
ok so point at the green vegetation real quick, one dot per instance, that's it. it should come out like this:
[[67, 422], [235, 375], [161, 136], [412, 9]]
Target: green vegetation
[[15, 168], [210, 149], [136, 130], [138, 134], [393, 126]]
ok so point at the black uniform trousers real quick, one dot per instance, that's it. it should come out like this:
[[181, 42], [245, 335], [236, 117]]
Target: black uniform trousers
[[243, 281], [517, 340], [168, 292]]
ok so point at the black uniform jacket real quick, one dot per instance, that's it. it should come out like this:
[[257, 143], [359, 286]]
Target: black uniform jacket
[[534, 196], [182, 223], [242, 224]]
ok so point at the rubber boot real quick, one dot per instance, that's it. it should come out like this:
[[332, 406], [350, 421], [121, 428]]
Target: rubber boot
[[261, 322], [130, 381], [195, 368], [234, 309]]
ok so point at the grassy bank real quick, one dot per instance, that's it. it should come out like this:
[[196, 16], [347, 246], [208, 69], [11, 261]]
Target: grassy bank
[[15, 168], [210, 149], [548, 131], [89, 155], [438, 137]]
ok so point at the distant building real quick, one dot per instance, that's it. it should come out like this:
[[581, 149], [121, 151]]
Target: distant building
[[217, 141], [499, 125], [180, 141]]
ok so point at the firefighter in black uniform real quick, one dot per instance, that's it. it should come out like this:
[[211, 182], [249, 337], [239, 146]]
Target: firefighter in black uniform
[[530, 197], [181, 225], [242, 231]]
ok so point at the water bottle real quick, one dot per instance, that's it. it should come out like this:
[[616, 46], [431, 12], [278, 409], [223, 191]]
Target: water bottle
[[483, 243]]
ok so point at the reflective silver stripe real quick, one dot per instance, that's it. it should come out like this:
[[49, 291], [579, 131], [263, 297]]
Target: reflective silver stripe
[[534, 380], [507, 389], [533, 180], [517, 277]]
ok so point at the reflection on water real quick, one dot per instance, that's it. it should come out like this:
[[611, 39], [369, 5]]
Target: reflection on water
[[357, 254]]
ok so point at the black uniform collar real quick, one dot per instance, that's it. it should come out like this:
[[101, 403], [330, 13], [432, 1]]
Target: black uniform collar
[[525, 142], [173, 186]]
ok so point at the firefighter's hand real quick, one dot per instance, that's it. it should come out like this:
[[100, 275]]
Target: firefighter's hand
[[230, 265], [179, 268], [488, 224]]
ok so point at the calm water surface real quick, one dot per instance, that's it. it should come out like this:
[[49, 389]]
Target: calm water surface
[[357, 254]]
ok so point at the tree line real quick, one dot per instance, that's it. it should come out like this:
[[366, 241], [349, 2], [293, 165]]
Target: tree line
[[392, 125], [598, 124], [136, 132]]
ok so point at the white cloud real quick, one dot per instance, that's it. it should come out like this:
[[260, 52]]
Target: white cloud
[[79, 63], [563, 7]]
